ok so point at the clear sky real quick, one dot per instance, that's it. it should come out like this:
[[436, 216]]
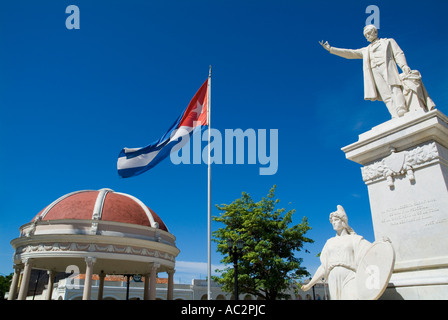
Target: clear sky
[[70, 100]]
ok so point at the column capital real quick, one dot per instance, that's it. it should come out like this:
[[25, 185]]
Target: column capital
[[171, 271], [90, 260], [27, 261], [155, 266], [18, 267]]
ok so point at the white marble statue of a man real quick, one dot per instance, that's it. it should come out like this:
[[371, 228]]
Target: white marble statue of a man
[[381, 78], [340, 258]]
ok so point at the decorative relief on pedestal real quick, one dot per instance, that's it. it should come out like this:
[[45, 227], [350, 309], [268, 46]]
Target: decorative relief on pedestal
[[400, 163]]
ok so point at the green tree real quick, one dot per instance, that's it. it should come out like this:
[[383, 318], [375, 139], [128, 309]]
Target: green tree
[[5, 282], [268, 264]]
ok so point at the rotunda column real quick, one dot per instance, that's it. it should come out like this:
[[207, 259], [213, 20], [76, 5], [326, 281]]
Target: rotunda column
[[15, 280], [153, 285], [146, 287], [51, 274], [101, 285], [88, 280], [25, 280], [170, 291]]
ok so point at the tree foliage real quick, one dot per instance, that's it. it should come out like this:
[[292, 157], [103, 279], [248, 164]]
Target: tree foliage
[[5, 282], [268, 264]]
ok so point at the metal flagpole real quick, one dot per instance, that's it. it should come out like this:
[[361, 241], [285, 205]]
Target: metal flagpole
[[209, 231]]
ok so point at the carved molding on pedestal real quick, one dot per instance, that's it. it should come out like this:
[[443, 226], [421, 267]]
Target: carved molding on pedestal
[[400, 163]]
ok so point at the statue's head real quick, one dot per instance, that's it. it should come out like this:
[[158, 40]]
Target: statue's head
[[370, 32], [339, 220]]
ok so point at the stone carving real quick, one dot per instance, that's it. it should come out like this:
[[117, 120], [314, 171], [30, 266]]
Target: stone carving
[[94, 227], [401, 93], [415, 93], [348, 259], [400, 163], [31, 230], [92, 247]]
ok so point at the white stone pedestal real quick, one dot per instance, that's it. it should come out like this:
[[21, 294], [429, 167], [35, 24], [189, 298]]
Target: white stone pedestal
[[405, 168]]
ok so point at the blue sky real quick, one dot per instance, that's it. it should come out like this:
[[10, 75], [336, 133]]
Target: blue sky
[[70, 100]]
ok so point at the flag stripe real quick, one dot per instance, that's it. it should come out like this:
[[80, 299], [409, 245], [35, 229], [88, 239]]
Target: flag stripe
[[134, 161]]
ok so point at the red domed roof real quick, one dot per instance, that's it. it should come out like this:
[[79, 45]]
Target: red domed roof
[[105, 205]]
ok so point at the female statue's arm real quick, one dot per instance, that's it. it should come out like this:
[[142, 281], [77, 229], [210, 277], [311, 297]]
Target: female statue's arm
[[320, 273]]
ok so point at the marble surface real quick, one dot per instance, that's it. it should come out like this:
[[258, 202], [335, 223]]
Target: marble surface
[[405, 167]]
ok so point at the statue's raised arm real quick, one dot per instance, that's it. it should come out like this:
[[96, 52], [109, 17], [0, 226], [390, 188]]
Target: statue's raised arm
[[382, 80]]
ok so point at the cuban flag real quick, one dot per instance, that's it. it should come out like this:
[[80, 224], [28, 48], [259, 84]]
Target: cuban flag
[[134, 161]]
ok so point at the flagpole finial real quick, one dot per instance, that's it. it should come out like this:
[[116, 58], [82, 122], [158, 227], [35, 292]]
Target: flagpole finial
[[210, 71]]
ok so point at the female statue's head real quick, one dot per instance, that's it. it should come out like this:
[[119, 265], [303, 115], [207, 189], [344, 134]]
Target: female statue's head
[[339, 221]]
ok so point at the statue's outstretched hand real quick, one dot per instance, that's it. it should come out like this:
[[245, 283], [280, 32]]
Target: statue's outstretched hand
[[326, 45], [305, 287]]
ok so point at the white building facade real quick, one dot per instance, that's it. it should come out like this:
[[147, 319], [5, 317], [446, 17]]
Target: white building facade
[[116, 288]]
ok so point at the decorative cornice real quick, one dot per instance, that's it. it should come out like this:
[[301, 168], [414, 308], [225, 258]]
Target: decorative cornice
[[114, 233], [402, 133], [91, 248], [53, 243]]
